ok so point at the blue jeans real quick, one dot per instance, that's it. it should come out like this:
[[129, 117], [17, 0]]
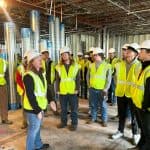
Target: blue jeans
[[72, 101], [33, 140], [95, 97]]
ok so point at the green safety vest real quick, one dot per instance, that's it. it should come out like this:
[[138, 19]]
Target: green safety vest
[[3, 67], [67, 81], [40, 91]]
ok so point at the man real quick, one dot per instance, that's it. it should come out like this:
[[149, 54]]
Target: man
[[67, 86], [126, 75], [112, 60], [3, 92], [99, 79], [141, 97], [49, 68]]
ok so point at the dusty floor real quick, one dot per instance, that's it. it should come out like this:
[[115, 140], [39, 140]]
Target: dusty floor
[[87, 137]]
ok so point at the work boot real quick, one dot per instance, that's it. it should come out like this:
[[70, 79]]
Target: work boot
[[73, 127], [7, 122], [136, 138], [117, 135], [44, 147], [104, 124], [90, 121], [134, 148], [61, 125]]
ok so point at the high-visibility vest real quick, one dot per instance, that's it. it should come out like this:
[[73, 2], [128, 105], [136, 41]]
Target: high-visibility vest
[[40, 91], [67, 81], [21, 71], [3, 67], [52, 73], [98, 76], [125, 84], [138, 94]]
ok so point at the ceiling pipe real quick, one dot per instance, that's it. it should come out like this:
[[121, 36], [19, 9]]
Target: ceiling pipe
[[138, 11], [126, 10], [51, 6]]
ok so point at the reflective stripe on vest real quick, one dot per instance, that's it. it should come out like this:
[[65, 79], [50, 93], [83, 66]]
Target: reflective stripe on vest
[[67, 81], [138, 94], [40, 91]]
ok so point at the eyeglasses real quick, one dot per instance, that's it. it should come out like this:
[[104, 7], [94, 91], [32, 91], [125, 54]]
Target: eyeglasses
[[95, 55]]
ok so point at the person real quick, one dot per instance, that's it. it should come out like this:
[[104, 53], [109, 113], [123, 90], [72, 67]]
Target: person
[[140, 97], [49, 67], [35, 101], [112, 60], [126, 74], [67, 87], [3, 92], [99, 79], [20, 86]]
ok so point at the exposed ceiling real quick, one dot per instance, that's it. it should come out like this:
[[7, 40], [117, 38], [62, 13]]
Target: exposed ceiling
[[118, 16]]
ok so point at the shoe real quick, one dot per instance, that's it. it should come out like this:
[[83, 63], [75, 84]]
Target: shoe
[[7, 122], [73, 127], [56, 113], [61, 126], [104, 124], [44, 147], [134, 148], [136, 138], [90, 121], [117, 135]]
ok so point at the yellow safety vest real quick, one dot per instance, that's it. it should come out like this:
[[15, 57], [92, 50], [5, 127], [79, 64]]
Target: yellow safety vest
[[138, 94], [3, 67], [98, 77], [67, 81], [125, 84], [52, 72], [40, 91]]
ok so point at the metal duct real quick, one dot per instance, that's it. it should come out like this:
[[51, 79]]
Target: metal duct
[[52, 36], [25, 39], [34, 18], [62, 34], [57, 37], [10, 41]]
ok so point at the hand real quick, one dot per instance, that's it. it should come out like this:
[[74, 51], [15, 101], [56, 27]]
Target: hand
[[53, 106], [40, 116], [76, 92], [104, 93]]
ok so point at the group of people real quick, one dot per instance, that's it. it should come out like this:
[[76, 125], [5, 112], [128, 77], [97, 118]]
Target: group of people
[[125, 81]]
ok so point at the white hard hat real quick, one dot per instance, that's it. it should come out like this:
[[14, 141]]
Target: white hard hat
[[44, 50], [91, 49], [86, 56], [64, 50], [125, 46], [145, 44], [135, 46], [79, 53], [111, 50], [32, 55], [97, 50], [26, 54]]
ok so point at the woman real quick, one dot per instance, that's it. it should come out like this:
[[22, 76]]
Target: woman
[[35, 101], [67, 86]]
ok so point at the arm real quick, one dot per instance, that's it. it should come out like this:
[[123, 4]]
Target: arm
[[29, 87], [78, 81], [57, 81]]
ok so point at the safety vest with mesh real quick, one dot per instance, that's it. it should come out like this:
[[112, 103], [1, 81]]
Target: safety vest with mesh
[[3, 67], [40, 91], [125, 83], [67, 80], [21, 71], [138, 94], [98, 76]]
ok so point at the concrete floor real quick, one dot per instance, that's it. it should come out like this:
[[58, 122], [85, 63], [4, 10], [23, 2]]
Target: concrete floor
[[87, 137]]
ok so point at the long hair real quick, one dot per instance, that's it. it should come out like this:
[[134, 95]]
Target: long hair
[[31, 67], [62, 62]]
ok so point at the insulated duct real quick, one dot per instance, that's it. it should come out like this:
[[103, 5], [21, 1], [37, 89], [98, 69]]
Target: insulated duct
[[34, 18], [62, 34], [10, 41], [25, 39]]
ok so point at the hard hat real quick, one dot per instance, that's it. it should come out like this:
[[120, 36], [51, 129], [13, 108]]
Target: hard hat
[[64, 50], [91, 49], [125, 46], [31, 55], [86, 56], [97, 50], [79, 53], [135, 47], [26, 54], [44, 50], [111, 50], [145, 44]]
